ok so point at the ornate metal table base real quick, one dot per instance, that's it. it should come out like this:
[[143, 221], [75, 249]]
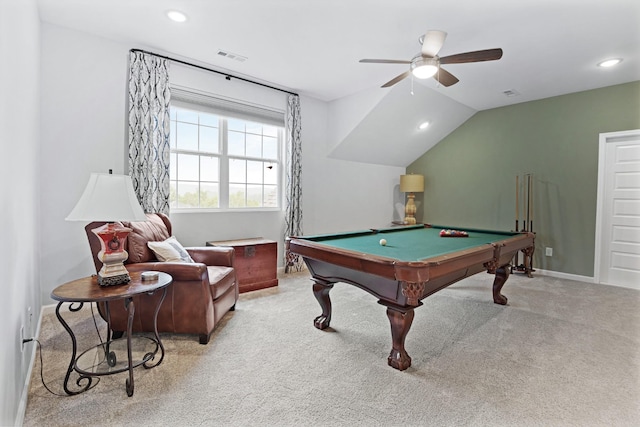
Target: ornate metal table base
[[114, 355]]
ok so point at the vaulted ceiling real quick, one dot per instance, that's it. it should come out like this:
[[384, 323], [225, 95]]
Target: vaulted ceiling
[[313, 47]]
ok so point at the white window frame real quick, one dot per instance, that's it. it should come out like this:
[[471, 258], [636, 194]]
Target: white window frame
[[231, 109]]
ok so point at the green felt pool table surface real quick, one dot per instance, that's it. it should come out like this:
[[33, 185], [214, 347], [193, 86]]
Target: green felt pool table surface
[[410, 243]]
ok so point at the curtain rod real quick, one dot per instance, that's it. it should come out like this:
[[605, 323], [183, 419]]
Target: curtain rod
[[227, 75]]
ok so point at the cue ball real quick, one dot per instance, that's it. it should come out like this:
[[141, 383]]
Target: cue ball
[[383, 242]]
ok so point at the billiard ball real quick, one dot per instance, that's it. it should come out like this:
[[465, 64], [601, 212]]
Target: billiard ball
[[383, 242]]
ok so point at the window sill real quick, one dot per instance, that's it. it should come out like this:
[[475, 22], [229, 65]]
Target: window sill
[[221, 211]]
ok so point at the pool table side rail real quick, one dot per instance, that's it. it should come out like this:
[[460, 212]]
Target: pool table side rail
[[495, 254], [380, 266]]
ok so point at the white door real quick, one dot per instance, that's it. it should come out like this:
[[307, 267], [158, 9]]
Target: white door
[[618, 222]]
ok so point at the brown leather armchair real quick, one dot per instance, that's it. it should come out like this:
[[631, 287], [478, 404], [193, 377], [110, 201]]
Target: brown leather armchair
[[200, 295]]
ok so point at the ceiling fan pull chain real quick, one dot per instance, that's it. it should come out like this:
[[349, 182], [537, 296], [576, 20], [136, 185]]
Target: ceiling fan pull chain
[[411, 84]]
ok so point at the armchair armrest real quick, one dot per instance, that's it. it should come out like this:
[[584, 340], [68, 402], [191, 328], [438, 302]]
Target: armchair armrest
[[180, 271], [213, 255]]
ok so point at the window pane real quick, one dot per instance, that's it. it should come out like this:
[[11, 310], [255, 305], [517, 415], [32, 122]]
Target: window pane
[[207, 119], [237, 170], [235, 124], [209, 139], [271, 173], [254, 196], [187, 136], [188, 169], [254, 145], [187, 194], [209, 169], [187, 116], [255, 128], [173, 157], [172, 113], [172, 135], [254, 172], [209, 195], [269, 148], [237, 194], [235, 144], [270, 196], [173, 194], [270, 131]]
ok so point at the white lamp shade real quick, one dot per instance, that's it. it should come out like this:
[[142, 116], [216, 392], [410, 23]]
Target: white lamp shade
[[108, 198], [412, 183]]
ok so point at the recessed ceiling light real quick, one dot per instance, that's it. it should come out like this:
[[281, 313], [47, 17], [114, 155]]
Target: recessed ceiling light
[[423, 125], [176, 16], [610, 62]]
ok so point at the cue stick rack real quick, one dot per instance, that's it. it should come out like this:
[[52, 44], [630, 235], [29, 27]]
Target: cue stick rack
[[524, 207]]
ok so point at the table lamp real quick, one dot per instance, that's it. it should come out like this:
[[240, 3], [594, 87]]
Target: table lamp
[[411, 184], [109, 198]]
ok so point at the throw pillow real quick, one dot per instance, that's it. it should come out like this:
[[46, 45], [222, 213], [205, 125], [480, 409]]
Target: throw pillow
[[170, 250]]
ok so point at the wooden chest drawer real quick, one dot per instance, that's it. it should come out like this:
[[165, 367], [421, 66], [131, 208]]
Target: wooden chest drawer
[[256, 261]]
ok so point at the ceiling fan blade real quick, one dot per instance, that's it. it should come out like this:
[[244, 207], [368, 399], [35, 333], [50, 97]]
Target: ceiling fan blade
[[476, 56], [432, 42], [396, 79], [445, 78], [384, 61]]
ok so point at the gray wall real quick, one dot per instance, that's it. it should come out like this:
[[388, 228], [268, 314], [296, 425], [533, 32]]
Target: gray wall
[[19, 213], [470, 175]]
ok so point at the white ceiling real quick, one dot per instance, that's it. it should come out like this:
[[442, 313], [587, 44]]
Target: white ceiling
[[551, 47]]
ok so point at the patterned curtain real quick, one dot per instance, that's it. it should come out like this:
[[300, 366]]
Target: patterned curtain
[[149, 96], [293, 218]]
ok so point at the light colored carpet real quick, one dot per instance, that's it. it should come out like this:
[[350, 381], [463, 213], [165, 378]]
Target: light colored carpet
[[562, 353]]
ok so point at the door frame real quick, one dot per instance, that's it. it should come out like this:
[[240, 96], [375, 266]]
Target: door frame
[[605, 138]]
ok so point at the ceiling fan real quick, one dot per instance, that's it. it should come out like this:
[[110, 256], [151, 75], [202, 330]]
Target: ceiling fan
[[427, 63]]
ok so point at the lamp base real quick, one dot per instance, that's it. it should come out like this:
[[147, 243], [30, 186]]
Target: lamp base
[[112, 254], [113, 280], [410, 209]]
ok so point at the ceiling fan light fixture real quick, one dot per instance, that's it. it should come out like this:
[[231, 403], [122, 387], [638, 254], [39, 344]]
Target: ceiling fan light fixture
[[423, 68]]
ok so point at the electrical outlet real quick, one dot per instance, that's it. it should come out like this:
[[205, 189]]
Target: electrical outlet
[[22, 338], [548, 251]]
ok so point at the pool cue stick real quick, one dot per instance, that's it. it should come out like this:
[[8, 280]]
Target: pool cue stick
[[531, 225], [516, 256], [526, 196], [517, 207], [531, 203]]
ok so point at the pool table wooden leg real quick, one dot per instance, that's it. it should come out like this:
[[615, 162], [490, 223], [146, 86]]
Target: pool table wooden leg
[[321, 292], [502, 274], [400, 324]]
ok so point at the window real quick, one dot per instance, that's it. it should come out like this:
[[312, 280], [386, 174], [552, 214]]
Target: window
[[223, 159]]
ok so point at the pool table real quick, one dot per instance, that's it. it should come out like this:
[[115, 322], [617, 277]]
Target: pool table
[[415, 262]]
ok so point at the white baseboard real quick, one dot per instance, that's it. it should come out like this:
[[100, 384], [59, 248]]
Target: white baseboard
[[567, 276], [22, 406]]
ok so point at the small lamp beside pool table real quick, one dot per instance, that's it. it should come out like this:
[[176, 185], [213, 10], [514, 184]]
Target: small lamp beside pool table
[[412, 183]]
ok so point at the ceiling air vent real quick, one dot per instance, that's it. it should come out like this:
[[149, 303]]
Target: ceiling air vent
[[232, 55], [511, 93]]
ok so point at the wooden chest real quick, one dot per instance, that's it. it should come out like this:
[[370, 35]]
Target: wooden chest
[[256, 261]]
